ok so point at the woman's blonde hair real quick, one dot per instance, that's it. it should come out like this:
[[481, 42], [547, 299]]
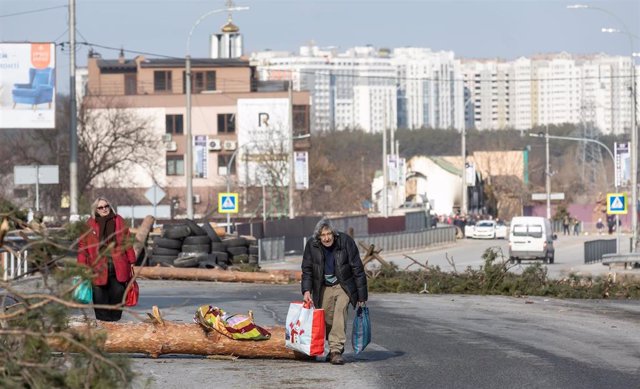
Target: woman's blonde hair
[[94, 205]]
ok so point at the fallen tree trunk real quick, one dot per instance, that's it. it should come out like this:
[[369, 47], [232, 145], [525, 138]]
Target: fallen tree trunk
[[194, 274], [159, 337], [177, 338]]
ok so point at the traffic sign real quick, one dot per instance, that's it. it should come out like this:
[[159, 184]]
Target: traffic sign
[[155, 194], [616, 203], [228, 202]]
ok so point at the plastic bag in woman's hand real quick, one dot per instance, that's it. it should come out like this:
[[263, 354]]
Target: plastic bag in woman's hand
[[83, 293]]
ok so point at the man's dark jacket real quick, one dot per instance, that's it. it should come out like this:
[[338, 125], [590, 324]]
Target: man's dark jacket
[[348, 268]]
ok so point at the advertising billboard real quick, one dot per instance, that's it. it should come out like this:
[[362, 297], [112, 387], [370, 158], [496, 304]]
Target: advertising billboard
[[27, 85], [301, 169], [263, 142], [623, 164]]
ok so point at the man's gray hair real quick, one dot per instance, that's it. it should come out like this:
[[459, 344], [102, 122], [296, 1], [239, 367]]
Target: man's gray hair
[[322, 224]]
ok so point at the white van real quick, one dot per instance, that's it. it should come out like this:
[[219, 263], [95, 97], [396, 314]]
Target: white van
[[531, 237]]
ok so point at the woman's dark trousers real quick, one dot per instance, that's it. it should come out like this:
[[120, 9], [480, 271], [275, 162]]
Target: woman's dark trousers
[[111, 293]]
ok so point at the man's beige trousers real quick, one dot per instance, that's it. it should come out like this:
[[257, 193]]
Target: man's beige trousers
[[335, 303]]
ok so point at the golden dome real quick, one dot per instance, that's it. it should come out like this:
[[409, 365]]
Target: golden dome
[[230, 27]]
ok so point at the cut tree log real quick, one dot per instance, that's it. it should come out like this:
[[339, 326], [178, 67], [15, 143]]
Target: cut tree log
[[160, 337], [194, 274], [178, 338]]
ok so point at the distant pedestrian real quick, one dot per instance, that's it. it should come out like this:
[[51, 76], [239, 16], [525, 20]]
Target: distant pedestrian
[[565, 225], [600, 226], [576, 227], [611, 223], [105, 248]]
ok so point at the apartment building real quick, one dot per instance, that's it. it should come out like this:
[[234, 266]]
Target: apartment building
[[371, 89], [351, 90], [550, 89], [430, 88], [229, 106]]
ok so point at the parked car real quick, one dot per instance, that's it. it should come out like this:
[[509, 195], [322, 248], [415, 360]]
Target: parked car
[[486, 229]]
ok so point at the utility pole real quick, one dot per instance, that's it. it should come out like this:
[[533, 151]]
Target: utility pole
[[188, 163], [385, 173], [547, 173], [73, 139], [292, 184]]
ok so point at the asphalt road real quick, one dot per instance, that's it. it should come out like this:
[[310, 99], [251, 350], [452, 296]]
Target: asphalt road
[[569, 257], [419, 341]]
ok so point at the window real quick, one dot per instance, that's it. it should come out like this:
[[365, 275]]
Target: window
[[173, 124], [226, 123], [175, 165], [301, 119], [223, 160], [130, 84], [200, 81], [162, 81], [533, 231]]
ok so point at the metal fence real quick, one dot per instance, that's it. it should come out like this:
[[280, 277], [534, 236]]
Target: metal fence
[[594, 249], [410, 240], [359, 223], [13, 266], [271, 249], [415, 221]]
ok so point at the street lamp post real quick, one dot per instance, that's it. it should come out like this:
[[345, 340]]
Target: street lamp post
[[633, 130], [189, 149], [613, 160], [463, 142]]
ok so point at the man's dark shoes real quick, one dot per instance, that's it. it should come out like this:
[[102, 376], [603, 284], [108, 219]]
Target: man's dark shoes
[[335, 358]]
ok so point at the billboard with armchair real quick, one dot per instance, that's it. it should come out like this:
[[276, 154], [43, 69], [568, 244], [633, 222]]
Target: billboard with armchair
[[27, 85]]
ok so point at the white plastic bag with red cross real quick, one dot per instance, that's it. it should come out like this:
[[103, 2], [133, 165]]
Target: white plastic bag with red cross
[[305, 329]]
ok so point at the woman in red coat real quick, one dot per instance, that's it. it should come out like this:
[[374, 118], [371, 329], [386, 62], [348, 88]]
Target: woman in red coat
[[106, 248]]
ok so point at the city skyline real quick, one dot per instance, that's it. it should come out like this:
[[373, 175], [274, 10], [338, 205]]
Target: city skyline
[[471, 29]]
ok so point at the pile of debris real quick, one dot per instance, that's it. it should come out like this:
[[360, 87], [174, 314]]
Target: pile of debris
[[191, 245]]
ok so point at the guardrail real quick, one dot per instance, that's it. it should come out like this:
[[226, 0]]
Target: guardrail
[[271, 249], [629, 260], [410, 240], [13, 266]]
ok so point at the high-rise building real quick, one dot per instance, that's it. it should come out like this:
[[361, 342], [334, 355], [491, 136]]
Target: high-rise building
[[550, 89], [430, 89], [351, 90]]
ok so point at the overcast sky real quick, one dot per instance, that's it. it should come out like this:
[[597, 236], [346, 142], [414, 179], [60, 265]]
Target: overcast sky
[[471, 29]]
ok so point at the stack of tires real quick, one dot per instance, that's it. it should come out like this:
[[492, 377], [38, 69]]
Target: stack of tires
[[241, 250], [189, 245]]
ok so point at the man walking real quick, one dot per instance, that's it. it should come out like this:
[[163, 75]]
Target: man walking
[[332, 277]]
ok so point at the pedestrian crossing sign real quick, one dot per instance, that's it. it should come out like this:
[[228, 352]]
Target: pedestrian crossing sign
[[616, 203], [227, 202]]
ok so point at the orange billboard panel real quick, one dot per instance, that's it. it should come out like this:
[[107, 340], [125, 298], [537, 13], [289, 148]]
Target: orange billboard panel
[[40, 55]]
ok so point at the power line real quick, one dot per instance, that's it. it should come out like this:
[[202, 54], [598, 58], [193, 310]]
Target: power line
[[328, 72], [32, 11]]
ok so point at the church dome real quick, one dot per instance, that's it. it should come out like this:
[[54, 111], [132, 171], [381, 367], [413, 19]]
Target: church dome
[[230, 27]]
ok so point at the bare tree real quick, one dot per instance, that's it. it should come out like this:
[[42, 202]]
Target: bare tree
[[267, 164], [112, 139]]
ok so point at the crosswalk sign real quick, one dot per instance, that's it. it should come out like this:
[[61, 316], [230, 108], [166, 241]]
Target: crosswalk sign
[[228, 202], [616, 204]]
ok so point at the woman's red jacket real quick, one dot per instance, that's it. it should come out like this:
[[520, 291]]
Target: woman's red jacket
[[122, 253]]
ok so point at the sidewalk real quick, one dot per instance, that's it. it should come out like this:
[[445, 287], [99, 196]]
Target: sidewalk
[[293, 262]]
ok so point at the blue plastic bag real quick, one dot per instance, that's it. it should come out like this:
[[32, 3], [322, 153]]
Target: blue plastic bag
[[361, 334], [83, 293]]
